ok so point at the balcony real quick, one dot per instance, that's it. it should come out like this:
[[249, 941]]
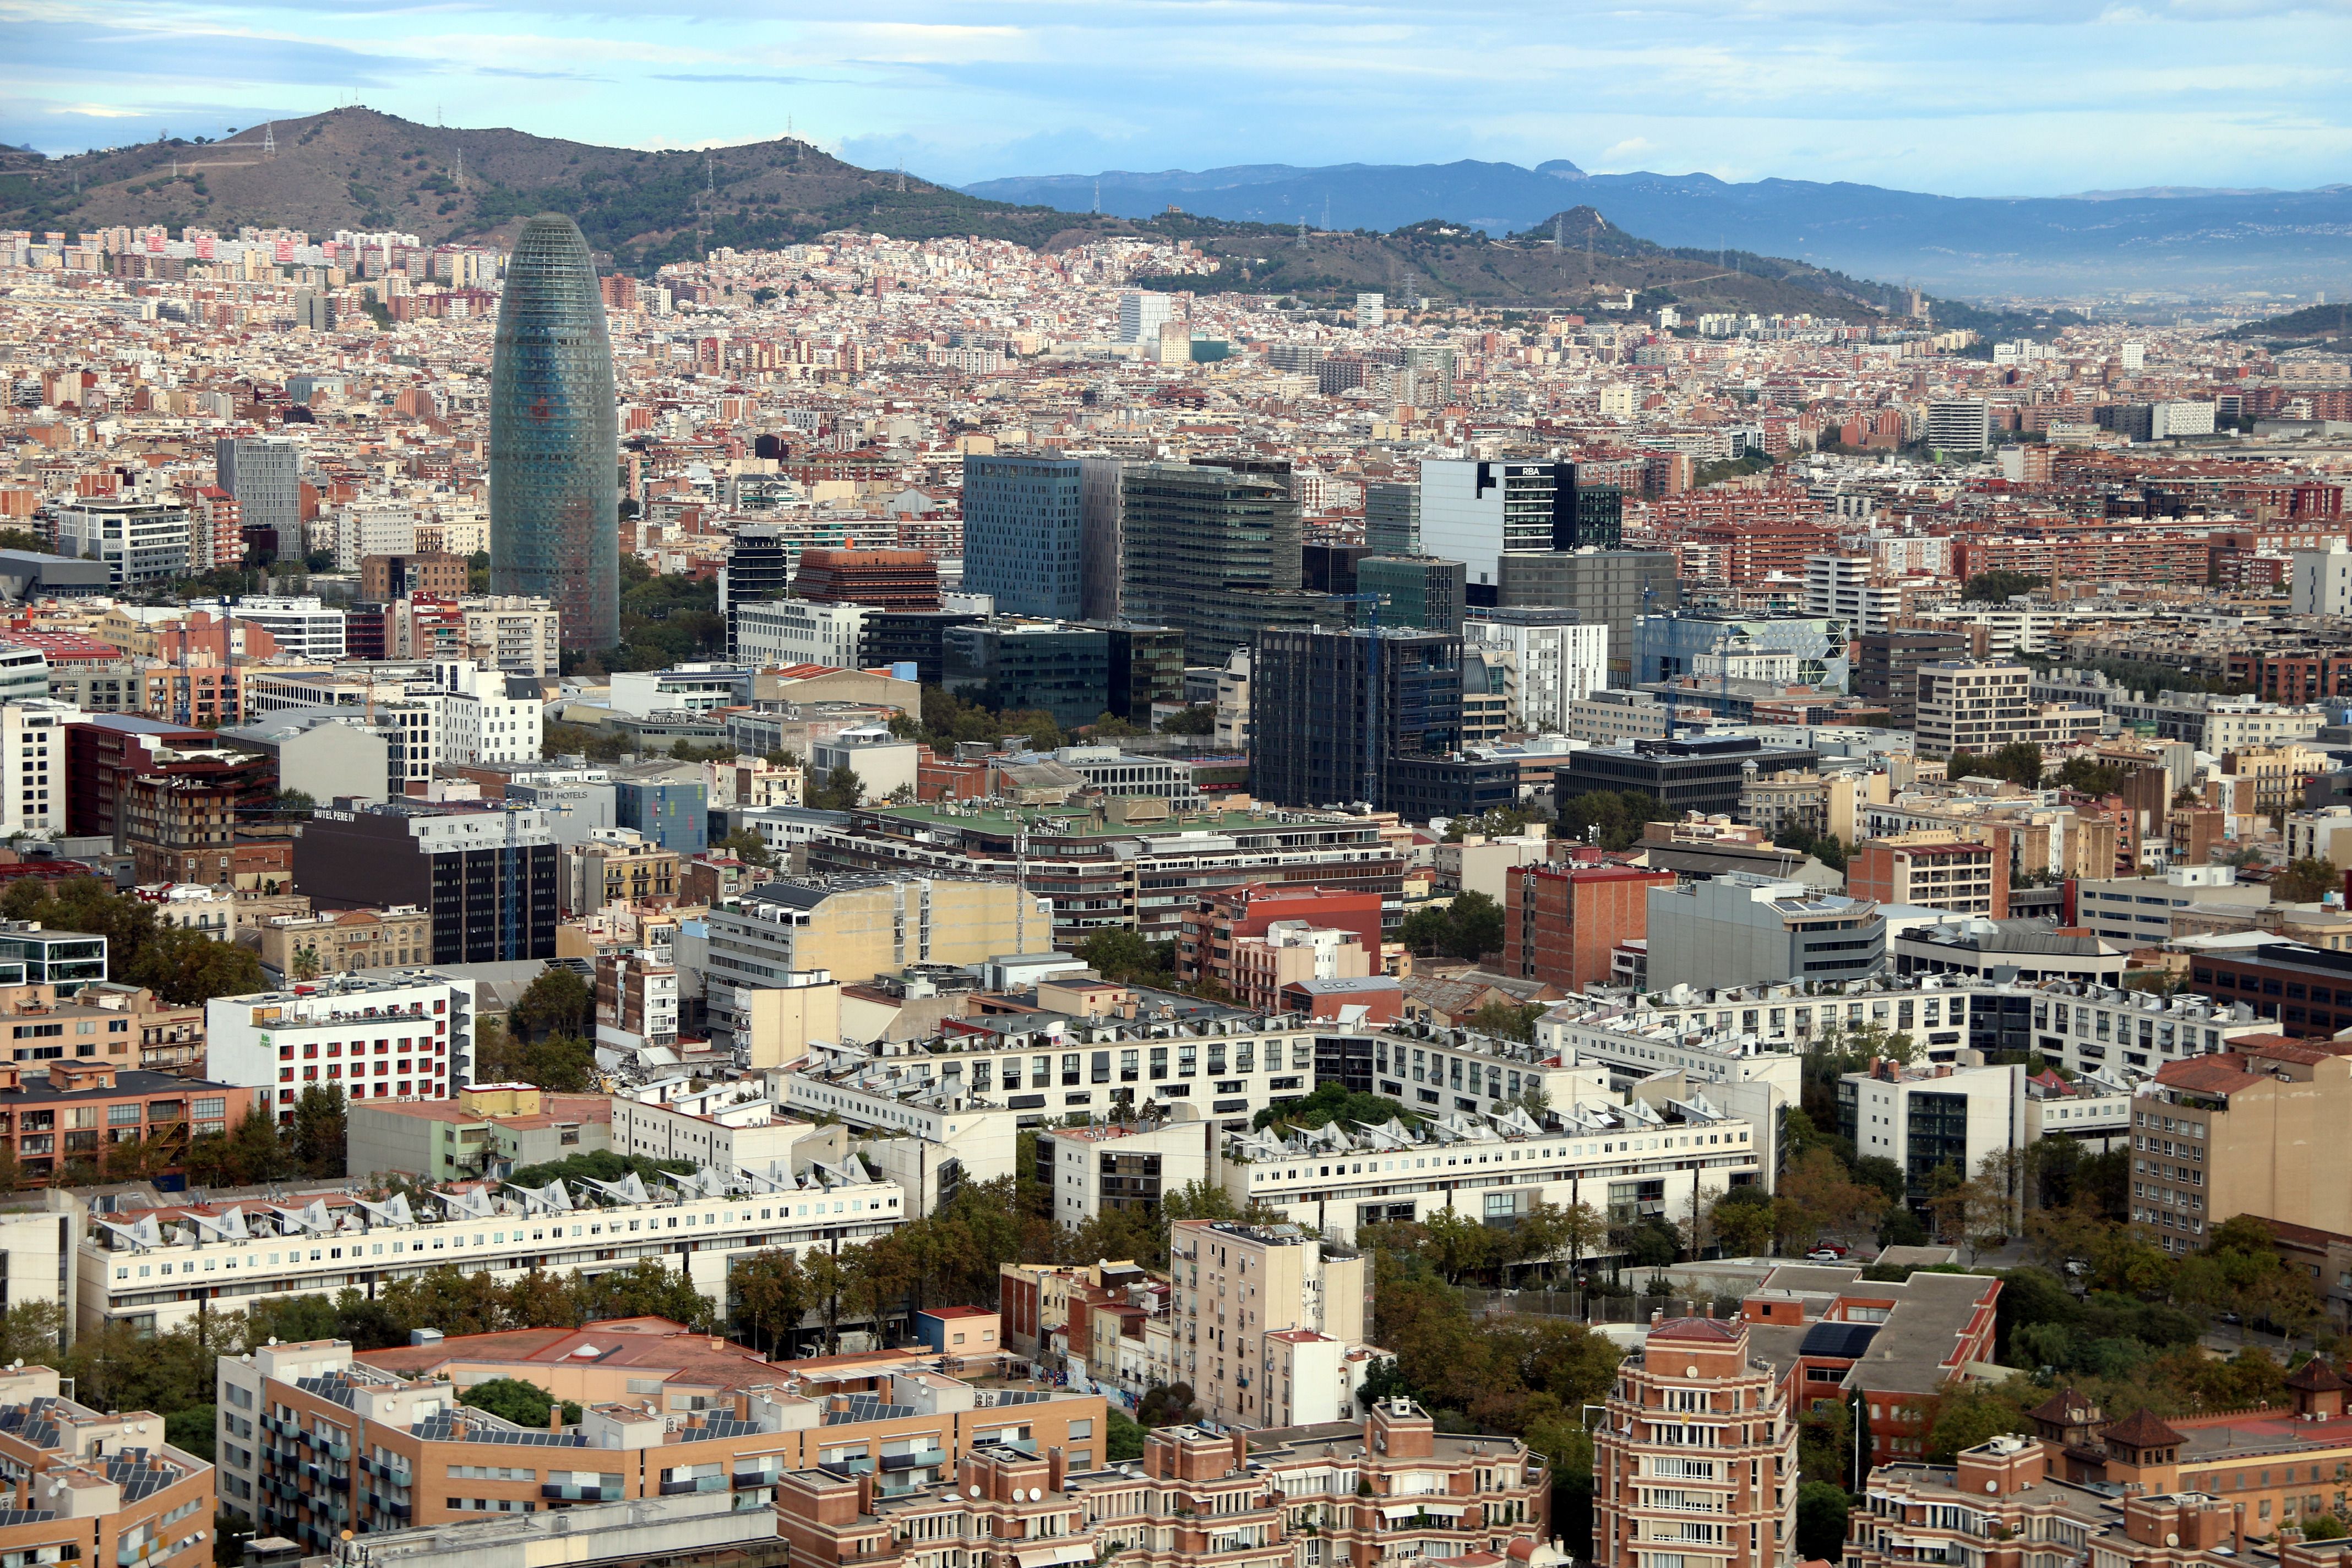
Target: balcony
[[567, 1492], [696, 1484]]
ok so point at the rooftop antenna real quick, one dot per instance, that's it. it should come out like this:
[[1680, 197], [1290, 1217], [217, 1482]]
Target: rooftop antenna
[[1560, 231]]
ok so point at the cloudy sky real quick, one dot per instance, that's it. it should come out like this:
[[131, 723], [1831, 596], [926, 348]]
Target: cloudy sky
[[1998, 97]]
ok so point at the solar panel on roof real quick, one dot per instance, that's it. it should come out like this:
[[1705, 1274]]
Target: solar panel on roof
[[1846, 1340]]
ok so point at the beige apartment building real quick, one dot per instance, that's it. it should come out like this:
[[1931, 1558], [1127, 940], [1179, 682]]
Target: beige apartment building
[[1265, 1316], [857, 925], [1933, 868], [347, 941], [2255, 1129], [1965, 706], [1694, 1463]]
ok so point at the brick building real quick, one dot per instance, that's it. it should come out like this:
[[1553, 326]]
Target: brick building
[[887, 579], [1697, 1454], [96, 1487], [1562, 923], [54, 1113]]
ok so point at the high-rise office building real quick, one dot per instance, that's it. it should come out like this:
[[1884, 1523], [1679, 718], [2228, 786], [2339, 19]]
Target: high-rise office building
[[1333, 712], [1420, 591], [1195, 539], [1102, 483], [1023, 535], [1475, 512], [554, 488], [486, 874], [758, 565], [1141, 314], [264, 476], [1392, 519]]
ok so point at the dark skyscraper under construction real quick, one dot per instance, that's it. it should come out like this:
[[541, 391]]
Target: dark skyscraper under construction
[[554, 488]]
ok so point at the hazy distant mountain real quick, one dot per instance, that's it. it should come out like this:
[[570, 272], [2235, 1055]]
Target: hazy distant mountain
[[2159, 237]]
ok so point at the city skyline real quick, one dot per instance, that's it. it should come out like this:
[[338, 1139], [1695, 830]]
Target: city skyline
[[2138, 97]]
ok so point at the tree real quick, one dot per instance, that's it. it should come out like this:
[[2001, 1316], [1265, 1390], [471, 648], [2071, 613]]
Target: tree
[[747, 845], [32, 1331], [771, 1296], [306, 961], [2323, 1527], [191, 1430], [1967, 1415], [319, 1130], [1817, 1197], [524, 1403], [645, 1288], [1124, 1437], [557, 1002], [1611, 819], [842, 790], [1167, 1404], [1743, 1222], [1510, 1021], [1200, 719], [1998, 587], [1822, 1510], [2306, 881]]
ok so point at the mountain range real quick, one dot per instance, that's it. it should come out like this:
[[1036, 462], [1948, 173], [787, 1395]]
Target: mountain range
[[360, 169], [2165, 238]]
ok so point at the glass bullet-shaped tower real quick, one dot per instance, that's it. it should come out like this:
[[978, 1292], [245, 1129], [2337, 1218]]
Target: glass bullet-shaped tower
[[555, 484]]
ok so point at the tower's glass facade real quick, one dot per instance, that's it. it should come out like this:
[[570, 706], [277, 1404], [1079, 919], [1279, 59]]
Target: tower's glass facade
[[554, 491]]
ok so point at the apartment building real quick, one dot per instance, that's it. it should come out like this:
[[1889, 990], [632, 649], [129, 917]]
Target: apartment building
[[1122, 1165], [1265, 1319], [2139, 910], [133, 1271], [2087, 1027], [616, 866], [1932, 869], [1621, 1154], [97, 1487], [1739, 927], [1938, 1118], [1383, 1486], [856, 927], [57, 1114], [1965, 706], [658, 1419], [1695, 1456], [2254, 1130]]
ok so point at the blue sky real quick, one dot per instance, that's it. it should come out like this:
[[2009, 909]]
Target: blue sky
[[2000, 98]]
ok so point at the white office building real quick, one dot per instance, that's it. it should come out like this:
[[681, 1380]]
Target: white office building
[[479, 720], [301, 624], [1141, 314], [140, 542], [1371, 310], [365, 528], [403, 1037], [1840, 585], [1560, 657], [2322, 584], [1473, 511], [32, 765], [773, 632]]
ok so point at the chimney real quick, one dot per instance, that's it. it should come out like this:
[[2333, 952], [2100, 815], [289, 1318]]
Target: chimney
[[2238, 1528], [1056, 1469], [555, 1415]]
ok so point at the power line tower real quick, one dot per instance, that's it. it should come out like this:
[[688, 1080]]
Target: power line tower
[[270, 140], [1097, 206], [902, 176], [459, 170]]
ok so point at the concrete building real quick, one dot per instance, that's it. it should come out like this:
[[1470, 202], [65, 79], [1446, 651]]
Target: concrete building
[[264, 476], [769, 632], [138, 540], [1668, 646], [327, 753], [1740, 929], [2321, 581], [1695, 1453], [1293, 1283], [855, 928], [1886, 670], [33, 781], [1932, 1118], [1958, 425], [64, 1112], [485, 1130], [1120, 1166], [1560, 657], [410, 1035], [616, 866], [2253, 1131], [2139, 911], [1964, 706]]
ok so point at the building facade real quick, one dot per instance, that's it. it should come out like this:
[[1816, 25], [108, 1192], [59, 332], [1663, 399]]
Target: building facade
[[554, 486]]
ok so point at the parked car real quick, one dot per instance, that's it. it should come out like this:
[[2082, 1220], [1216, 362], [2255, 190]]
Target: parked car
[[1826, 1255]]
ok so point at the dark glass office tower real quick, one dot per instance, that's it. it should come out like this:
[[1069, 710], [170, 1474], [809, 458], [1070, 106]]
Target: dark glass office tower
[[554, 486]]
